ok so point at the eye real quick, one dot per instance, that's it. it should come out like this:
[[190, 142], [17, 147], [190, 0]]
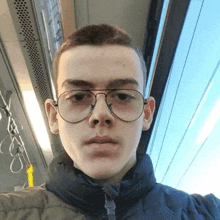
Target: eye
[[122, 96], [77, 96]]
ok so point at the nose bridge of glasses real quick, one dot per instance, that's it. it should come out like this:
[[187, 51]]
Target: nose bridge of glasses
[[96, 97], [99, 93]]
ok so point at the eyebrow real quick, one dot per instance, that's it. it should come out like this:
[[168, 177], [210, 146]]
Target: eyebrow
[[111, 84], [78, 83]]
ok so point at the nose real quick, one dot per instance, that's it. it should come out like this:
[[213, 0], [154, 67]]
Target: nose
[[101, 114]]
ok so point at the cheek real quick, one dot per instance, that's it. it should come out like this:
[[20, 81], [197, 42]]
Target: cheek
[[68, 132], [134, 132], [70, 137]]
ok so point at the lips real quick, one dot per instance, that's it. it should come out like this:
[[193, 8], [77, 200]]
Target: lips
[[101, 140], [102, 146]]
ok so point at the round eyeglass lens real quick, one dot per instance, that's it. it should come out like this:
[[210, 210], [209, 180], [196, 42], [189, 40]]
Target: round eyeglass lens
[[127, 105], [74, 106]]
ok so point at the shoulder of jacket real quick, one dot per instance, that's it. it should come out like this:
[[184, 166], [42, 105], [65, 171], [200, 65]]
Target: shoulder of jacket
[[175, 200], [35, 197], [182, 197], [167, 195]]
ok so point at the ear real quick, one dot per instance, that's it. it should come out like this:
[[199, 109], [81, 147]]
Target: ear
[[51, 112], [148, 113]]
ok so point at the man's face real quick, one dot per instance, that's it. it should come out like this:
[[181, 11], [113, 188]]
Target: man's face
[[102, 145]]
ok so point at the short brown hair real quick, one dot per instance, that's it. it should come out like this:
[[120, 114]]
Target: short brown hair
[[97, 35]]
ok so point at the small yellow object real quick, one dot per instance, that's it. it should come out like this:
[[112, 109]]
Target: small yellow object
[[30, 176]]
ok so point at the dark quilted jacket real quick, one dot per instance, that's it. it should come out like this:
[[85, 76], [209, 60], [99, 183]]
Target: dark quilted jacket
[[70, 194]]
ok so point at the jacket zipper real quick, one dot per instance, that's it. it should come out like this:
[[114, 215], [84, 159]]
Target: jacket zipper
[[110, 206]]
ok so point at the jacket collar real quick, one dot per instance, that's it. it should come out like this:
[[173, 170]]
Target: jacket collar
[[79, 190]]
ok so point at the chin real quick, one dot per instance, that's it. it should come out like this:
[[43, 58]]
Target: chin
[[107, 169], [102, 173], [105, 173]]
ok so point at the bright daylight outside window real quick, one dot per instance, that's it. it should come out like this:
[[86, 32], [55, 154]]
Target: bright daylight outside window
[[185, 141]]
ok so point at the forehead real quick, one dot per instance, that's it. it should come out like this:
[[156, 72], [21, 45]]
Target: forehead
[[99, 65]]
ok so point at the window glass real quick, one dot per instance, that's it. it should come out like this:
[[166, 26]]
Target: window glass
[[185, 143]]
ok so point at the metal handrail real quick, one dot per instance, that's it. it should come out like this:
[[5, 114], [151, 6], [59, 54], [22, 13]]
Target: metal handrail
[[15, 138]]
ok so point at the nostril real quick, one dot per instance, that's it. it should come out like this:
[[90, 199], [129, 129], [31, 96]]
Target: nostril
[[96, 122], [108, 121]]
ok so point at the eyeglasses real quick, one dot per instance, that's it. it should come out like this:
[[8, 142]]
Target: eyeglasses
[[75, 105]]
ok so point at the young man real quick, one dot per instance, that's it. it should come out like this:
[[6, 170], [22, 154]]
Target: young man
[[99, 114]]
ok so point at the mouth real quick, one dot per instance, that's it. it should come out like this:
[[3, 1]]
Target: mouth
[[102, 145], [101, 140]]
